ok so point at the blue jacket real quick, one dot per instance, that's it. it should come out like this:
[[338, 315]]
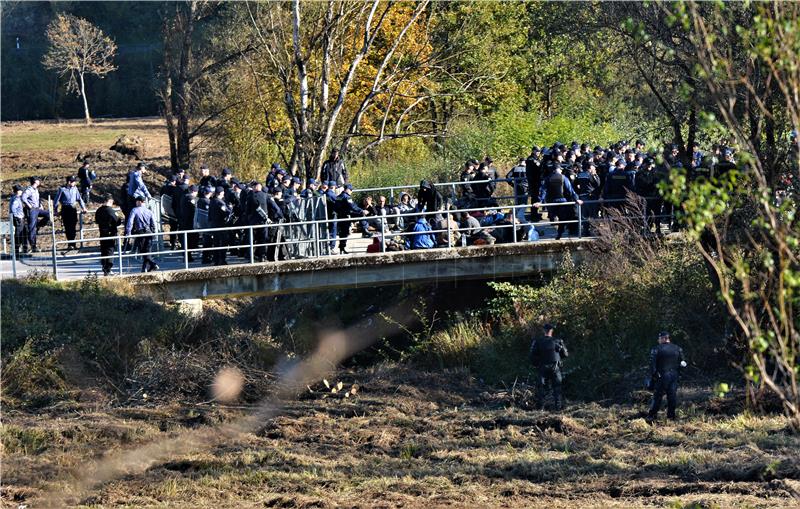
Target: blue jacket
[[423, 240], [136, 186], [16, 207], [140, 219], [69, 196]]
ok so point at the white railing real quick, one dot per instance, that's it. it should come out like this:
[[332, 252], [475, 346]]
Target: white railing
[[320, 241]]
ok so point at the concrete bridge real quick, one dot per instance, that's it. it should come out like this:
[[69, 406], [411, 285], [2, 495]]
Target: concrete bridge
[[358, 271]]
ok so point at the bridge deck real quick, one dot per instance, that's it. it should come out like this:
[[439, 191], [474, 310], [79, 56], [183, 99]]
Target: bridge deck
[[359, 270]]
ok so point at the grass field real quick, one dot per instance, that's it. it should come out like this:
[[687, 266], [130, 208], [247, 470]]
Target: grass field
[[75, 135], [409, 439]]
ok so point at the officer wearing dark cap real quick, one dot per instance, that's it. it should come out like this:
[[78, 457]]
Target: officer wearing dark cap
[[533, 172], [186, 213], [346, 207], [204, 204], [107, 220], [140, 222], [546, 354], [67, 200], [665, 361], [168, 189], [311, 189], [17, 214], [330, 211], [218, 214]]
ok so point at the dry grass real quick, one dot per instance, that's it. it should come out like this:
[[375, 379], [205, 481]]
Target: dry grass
[[412, 439]]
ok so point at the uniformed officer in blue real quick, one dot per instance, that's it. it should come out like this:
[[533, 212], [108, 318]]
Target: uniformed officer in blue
[[67, 201], [17, 213], [141, 221], [37, 217], [346, 207], [665, 361], [546, 354]]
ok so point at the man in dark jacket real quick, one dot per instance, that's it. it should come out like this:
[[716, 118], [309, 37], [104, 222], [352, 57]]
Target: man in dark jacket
[[546, 353], [107, 221], [334, 169], [218, 214], [256, 211], [665, 361], [186, 213], [557, 189], [346, 208], [86, 177], [533, 172]]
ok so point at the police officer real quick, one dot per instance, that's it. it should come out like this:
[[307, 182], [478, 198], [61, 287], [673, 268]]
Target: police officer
[[665, 360], [546, 353], [533, 171], [87, 177], [37, 217], [136, 185], [67, 201], [168, 189], [619, 182], [17, 213], [311, 189], [187, 208], [107, 221], [346, 207], [587, 186], [218, 214], [557, 189], [647, 189], [256, 210], [330, 211], [140, 221], [518, 179], [206, 180]]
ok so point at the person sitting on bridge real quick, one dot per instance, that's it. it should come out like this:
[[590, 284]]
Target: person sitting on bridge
[[141, 222], [371, 222], [474, 232], [422, 238]]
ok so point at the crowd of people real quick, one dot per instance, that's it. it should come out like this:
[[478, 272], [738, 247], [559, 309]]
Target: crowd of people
[[561, 180]]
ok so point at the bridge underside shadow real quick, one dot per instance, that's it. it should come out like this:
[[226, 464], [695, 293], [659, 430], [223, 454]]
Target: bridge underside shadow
[[360, 271]]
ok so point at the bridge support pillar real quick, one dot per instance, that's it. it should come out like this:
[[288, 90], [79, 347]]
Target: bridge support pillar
[[190, 307]]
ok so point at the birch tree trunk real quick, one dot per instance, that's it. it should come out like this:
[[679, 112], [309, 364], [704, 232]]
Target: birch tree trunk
[[85, 102]]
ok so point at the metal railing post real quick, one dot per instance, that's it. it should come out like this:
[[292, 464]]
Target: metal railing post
[[383, 235], [185, 250], [119, 253], [315, 226], [250, 234], [391, 196], [80, 223], [13, 247], [514, 223], [580, 221], [55, 261]]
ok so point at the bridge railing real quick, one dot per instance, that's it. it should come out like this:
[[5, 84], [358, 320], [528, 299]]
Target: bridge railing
[[321, 240]]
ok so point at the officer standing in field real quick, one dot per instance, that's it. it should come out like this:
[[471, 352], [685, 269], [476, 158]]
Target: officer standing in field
[[546, 353], [665, 360]]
